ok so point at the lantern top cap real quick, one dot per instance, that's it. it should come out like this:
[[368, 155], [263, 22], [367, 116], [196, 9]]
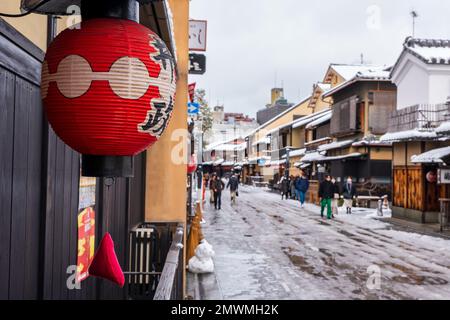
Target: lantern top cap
[[57, 7]]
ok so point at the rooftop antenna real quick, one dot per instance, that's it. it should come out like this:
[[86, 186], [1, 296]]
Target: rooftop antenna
[[414, 15], [275, 85], [362, 58]]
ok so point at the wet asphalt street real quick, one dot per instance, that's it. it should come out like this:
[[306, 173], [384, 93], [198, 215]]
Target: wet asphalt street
[[267, 248]]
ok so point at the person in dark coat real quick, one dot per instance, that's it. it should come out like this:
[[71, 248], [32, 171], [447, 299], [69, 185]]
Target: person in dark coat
[[349, 193], [211, 188], [292, 187], [336, 196], [284, 184], [233, 184], [218, 186], [326, 193], [301, 187]]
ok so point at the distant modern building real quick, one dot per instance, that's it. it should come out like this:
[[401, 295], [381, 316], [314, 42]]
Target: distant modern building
[[278, 105], [227, 125]]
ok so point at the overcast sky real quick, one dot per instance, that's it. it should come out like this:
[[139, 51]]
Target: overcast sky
[[253, 42]]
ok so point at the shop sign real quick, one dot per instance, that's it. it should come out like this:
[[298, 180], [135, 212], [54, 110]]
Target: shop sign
[[86, 242], [197, 35], [86, 192], [197, 63], [444, 176]]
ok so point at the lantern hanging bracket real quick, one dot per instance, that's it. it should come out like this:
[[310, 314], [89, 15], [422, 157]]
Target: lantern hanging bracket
[[26, 12]]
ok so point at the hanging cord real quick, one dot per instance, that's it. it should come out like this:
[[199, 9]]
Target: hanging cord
[[18, 15]]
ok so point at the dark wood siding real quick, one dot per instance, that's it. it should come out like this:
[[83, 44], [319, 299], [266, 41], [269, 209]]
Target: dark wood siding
[[344, 119], [384, 102], [323, 131], [39, 185], [20, 176]]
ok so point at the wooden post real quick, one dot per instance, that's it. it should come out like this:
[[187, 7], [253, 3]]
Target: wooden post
[[166, 178]]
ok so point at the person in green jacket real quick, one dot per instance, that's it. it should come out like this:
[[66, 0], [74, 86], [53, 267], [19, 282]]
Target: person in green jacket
[[326, 193]]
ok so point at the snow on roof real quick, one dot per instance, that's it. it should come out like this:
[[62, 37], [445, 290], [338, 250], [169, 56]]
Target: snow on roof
[[304, 165], [320, 157], [296, 153], [307, 119], [346, 156], [372, 142], [430, 51], [324, 86], [367, 73], [348, 71], [228, 163], [335, 145], [313, 156], [408, 135], [275, 162], [264, 140], [326, 117], [444, 128], [432, 156], [213, 145], [318, 141], [228, 147]]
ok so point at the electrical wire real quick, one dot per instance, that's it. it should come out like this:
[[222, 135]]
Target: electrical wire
[[23, 14]]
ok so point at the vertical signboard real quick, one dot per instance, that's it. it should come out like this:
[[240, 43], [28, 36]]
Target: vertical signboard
[[197, 35], [86, 226], [86, 242]]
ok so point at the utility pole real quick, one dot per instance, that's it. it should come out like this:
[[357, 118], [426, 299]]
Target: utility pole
[[414, 15]]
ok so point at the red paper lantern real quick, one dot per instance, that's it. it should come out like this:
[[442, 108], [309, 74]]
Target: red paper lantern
[[108, 87], [192, 165]]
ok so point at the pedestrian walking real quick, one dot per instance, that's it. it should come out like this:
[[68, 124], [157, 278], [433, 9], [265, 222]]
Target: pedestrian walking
[[233, 184], [284, 184], [326, 193], [292, 187], [211, 188], [301, 187], [336, 197], [349, 194], [218, 187]]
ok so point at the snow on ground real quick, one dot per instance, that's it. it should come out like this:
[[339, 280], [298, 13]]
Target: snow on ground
[[267, 248]]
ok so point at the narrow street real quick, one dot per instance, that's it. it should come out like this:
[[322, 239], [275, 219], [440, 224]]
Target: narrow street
[[267, 248]]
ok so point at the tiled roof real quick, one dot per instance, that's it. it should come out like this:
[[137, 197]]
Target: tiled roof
[[430, 51], [348, 71]]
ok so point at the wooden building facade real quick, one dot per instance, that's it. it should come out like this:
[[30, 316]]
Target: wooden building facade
[[360, 114], [40, 184], [422, 80]]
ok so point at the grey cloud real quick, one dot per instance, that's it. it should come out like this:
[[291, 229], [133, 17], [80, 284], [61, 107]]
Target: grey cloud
[[251, 40]]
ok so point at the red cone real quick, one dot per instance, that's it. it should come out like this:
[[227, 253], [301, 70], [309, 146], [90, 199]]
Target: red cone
[[105, 264]]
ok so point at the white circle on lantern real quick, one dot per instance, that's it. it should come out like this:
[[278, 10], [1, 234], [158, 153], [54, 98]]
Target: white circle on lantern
[[129, 78], [74, 76]]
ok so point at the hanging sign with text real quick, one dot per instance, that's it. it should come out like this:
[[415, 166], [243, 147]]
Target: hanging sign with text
[[197, 35]]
